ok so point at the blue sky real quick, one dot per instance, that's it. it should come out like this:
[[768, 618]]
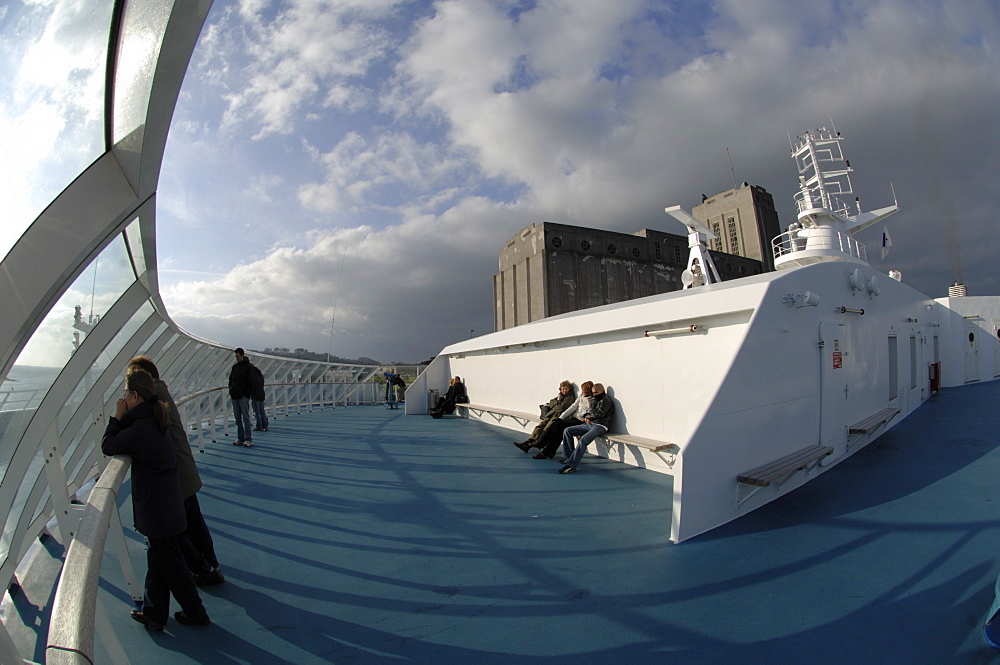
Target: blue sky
[[376, 155]]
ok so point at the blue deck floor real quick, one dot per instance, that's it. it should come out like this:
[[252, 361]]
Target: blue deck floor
[[361, 535]]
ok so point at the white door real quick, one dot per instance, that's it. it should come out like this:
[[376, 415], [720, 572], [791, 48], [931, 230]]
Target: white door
[[971, 352]]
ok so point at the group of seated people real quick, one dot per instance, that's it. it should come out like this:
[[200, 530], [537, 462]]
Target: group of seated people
[[566, 417], [456, 395]]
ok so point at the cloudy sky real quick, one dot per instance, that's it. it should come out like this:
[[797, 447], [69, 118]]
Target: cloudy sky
[[364, 161]]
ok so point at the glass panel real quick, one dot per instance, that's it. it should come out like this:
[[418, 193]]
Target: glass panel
[[134, 238], [52, 83], [55, 341], [141, 37]]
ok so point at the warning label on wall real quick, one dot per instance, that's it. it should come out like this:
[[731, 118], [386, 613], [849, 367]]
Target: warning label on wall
[[838, 360]]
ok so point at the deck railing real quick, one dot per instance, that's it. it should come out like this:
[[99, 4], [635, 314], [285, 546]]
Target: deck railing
[[76, 613]]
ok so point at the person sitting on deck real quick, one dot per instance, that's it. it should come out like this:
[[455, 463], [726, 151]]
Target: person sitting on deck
[[550, 413], [456, 395], [552, 437], [595, 423]]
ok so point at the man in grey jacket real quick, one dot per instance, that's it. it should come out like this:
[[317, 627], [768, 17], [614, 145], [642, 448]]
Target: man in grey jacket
[[595, 423]]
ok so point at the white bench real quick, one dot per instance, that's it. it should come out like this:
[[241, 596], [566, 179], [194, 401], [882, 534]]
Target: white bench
[[874, 421], [785, 466]]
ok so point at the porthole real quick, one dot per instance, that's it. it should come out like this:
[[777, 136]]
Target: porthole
[[636, 252], [585, 245], [612, 250], [557, 242]]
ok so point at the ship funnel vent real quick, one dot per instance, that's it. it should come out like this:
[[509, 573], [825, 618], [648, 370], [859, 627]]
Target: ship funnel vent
[[957, 291]]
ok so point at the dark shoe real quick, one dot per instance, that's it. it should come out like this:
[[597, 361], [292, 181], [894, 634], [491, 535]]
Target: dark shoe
[[540, 456], [137, 615], [238, 443], [523, 445], [213, 576], [567, 469], [185, 620], [248, 444], [563, 460], [258, 429]]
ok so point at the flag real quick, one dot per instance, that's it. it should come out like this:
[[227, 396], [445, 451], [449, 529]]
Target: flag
[[886, 243]]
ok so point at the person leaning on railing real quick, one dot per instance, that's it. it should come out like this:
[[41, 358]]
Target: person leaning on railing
[[139, 429], [196, 541]]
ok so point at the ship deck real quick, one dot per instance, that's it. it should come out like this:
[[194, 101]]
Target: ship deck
[[359, 535]]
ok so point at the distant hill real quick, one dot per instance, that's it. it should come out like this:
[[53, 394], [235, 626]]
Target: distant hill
[[306, 354]]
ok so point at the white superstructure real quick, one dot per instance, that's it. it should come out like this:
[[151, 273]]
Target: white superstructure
[[816, 359]]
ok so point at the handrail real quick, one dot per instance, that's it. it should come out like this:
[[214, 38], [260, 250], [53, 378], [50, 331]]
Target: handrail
[[72, 623], [71, 627]]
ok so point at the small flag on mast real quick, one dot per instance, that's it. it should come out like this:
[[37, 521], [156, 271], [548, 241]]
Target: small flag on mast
[[886, 242]]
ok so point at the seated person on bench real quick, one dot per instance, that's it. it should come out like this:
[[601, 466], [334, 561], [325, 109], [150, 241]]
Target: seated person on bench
[[552, 437], [456, 394], [550, 413], [595, 423]]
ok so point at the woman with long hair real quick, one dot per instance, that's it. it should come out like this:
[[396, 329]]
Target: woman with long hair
[[139, 429]]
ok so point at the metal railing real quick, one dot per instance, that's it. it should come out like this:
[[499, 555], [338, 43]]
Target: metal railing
[[76, 612], [823, 239]]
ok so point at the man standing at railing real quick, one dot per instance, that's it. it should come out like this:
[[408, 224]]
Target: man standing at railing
[[240, 389], [257, 399]]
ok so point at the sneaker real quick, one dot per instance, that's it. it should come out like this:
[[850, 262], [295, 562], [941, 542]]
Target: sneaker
[[563, 460], [540, 456], [238, 442], [567, 469], [137, 615], [213, 576], [258, 429], [185, 620], [247, 444], [263, 429]]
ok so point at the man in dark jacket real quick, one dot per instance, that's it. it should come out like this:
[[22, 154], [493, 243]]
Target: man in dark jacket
[[595, 423], [257, 397], [240, 389]]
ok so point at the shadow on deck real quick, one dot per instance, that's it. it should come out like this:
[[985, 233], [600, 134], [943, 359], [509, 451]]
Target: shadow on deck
[[360, 535]]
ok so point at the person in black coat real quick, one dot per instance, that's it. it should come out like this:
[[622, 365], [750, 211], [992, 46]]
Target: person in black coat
[[456, 394], [257, 397], [196, 541], [139, 429], [240, 389]]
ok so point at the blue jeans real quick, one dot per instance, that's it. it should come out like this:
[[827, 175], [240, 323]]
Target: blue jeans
[[587, 433], [260, 418], [241, 409]]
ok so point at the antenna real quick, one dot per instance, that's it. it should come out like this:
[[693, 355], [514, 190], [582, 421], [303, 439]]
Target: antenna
[[790, 144], [833, 126], [893, 193], [731, 167]]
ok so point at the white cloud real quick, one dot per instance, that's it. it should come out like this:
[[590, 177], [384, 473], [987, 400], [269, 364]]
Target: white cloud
[[590, 113]]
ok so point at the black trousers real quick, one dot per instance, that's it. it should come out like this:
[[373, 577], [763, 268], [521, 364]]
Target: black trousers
[[167, 573], [196, 541], [552, 437]]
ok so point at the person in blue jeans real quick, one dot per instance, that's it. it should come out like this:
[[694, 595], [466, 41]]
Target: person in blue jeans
[[257, 397], [240, 389], [595, 423]]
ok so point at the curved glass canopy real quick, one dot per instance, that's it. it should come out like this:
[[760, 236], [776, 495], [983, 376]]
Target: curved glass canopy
[[86, 98]]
